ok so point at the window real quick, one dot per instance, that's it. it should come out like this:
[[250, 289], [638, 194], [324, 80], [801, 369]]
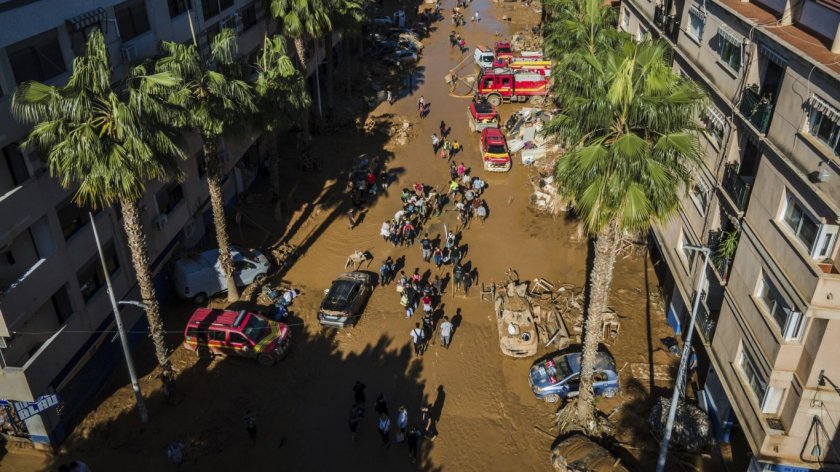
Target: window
[[177, 7], [71, 217], [700, 195], [800, 222], [249, 16], [772, 400], [788, 321], [506, 82], [696, 22], [38, 58], [687, 254], [212, 31], [236, 338], [91, 278], [79, 37], [16, 164], [131, 19], [730, 48], [752, 375], [641, 35], [823, 123], [714, 123], [216, 335], [168, 198], [211, 8], [625, 19], [61, 304]]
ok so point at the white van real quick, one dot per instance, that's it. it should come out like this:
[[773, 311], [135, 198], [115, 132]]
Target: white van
[[201, 276], [483, 56]]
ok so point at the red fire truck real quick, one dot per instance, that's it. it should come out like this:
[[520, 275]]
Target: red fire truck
[[505, 85], [502, 49]]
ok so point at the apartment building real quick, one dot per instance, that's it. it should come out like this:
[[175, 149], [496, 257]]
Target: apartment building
[[767, 202], [57, 334]]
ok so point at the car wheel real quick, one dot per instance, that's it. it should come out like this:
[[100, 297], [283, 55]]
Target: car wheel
[[265, 359], [494, 100], [200, 298], [610, 392], [552, 398]]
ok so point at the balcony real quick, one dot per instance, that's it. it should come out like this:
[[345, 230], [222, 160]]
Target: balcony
[[723, 251], [825, 302], [30, 290], [737, 186], [756, 109], [666, 23], [706, 321]]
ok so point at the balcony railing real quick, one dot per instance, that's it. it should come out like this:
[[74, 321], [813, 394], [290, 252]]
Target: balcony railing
[[736, 186], [721, 261], [757, 110], [706, 321]]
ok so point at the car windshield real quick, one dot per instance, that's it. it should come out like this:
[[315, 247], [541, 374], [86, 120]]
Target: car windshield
[[558, 367], [255, 328], [496, 149], [503, 50]]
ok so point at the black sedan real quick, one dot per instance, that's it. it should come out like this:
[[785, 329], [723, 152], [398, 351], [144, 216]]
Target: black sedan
[[345, 300]]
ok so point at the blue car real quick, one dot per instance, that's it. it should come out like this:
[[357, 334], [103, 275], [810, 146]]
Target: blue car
[[558, 376]]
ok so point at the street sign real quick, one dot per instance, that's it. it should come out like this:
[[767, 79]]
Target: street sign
[[26, 409]]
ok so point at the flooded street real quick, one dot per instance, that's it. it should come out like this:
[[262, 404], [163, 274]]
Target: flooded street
[[487, 416]]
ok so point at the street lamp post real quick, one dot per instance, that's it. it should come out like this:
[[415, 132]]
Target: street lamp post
[[129, 362], [672, 412]]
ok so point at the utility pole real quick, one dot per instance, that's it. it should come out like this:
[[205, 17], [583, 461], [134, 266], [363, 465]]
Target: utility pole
[[672, 412], [129, 362]]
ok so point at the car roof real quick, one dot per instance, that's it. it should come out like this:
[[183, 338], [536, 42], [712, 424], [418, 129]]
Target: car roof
[[202, 260], [483, 108], [207, 317], [603, 361], [492, 134]]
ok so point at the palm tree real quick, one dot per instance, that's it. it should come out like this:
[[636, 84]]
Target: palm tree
[[216, 100], [108, 144], [345, 16], [281, 95], [632, 149], [300, 21]]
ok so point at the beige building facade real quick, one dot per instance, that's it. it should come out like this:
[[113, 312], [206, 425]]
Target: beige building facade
[[767, 203], [57, 334]]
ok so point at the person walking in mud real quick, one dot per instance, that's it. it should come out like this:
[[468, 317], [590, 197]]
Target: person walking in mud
[[351, 218], [426, 246], [435, 143], [359, 396], [443, 128], [421, 106], [381, 405], [250, 425], [413, 440], [429, 430], [457, 275], [446, 332], [402, 423], [384, 427], [417, 339]]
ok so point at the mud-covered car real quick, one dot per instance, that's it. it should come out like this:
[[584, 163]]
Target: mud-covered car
[[515, 321], [345, 300], [558, 376], [482, 115]]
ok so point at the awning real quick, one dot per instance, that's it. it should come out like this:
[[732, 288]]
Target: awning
[[772, 55], [825, 108], [84, 20], [730, 35], [716, 117], [697, 12]]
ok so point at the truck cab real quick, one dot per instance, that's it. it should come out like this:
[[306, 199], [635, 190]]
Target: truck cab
[[483, 56], [502, 49]]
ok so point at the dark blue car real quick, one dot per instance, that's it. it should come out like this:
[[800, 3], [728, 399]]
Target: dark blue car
[[558, 376]]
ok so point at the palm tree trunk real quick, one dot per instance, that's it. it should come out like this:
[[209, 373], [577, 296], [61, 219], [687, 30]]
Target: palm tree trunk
[[328, 76], [600, 280], [138, 247], [300, 47], [214, 183]]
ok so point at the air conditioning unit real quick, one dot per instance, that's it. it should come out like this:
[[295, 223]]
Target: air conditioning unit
[[161, 221], [129, 53]]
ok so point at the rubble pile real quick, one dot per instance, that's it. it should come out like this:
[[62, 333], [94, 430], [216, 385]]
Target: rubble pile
[[545, 196], [526, 40], [398, 128], [691, 425]]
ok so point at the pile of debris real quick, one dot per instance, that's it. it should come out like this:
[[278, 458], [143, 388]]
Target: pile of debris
[[580, 454], [524, 132], [692, 429], [545, 196], [398, 128], [526, 40]]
